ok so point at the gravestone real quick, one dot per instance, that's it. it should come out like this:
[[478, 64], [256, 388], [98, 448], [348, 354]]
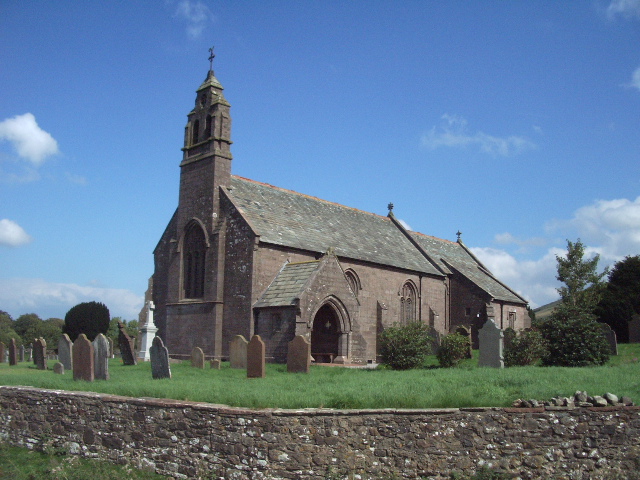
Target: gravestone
[[298, 355], [255, 358], [13, 352], [466, 332], [58, 368], [238, 352], [159, 356], [3, 352], [490, 339], [197, 357], [147, 333], [65, 347], [110, 340], [610, 337], [126, 346], [101, 357], [39, 353], [83, 359], [215, 364], [21, 353], [634, 329]]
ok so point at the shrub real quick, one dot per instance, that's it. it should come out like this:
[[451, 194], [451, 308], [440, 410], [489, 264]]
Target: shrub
[[405, 346], [453, 349], [574, 339], [90, 318], [524, 349]]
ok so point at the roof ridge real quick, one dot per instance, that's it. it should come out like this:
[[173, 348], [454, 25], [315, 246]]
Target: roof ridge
[[384, 217], [435, 238]]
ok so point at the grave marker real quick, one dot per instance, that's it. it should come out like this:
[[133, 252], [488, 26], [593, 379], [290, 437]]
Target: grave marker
[[21, 353], [159, 356], [39, 353], [298, 355], [215, 364], [3, 352], [610, 337], [197, 357], [490, 338], [83, 359], [255, 358], [58, 368], [65, 348], [126, 346], [101, 357], [238, 352], [147, 333], [13, 352]]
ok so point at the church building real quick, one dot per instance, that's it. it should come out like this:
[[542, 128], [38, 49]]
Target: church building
[[240, 257]]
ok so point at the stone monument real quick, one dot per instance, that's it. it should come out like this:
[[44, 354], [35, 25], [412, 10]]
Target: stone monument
[[159, 356], [197, 357], [238, 352], [255, 358], [298, 355], [65, 351], [147, 333], [126, 346], [490, 339], [83, 359], [101, 357]]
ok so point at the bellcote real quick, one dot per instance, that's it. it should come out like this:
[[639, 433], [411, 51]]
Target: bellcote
[[208, 130]]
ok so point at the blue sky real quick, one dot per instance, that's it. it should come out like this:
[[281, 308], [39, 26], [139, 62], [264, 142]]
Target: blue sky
[[517, 123]]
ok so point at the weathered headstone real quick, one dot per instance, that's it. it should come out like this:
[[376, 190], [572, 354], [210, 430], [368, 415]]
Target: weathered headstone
[[65, 347], [298, 355], [126, 346], [39, 353], [3, 350], [101, 357], [255, 358], [21, 353], [238, 352], [197, 357], [610, 337], [13, 352], [110, 340], [490, 339], [159, 356], [215, 364], [83, 359], [147, 333], [634, 329], [58, 368], [466, 332]]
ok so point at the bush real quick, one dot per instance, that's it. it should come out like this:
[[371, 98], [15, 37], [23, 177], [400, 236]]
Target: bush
[[90, 318], [524, 349], [453, 349], [574, 339], [405, 346]]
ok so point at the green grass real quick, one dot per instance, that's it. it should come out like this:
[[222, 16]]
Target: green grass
[[334, 387], [22, 464]]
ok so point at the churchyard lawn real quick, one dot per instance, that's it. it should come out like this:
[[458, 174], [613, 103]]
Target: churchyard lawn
[[335, 387]]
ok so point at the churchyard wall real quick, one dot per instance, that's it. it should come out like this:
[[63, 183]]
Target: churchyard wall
[[196, 440]]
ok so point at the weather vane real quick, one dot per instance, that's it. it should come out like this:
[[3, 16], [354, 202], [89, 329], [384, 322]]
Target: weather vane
[[211, 57], [459, 234]]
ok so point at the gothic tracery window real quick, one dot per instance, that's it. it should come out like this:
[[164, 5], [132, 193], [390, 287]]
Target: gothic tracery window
[[194, 261], [408, 304], [354, 281]]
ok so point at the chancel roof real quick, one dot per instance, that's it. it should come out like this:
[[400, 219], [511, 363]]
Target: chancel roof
[[288, 284], [290, 219]]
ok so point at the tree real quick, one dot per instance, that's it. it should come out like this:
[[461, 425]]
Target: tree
[[7, 331], [405, 346], [90, 318], [51, 330], [621, 297], [29, 327]]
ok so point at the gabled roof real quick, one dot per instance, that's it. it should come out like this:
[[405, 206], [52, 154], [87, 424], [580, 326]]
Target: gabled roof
[[455, 256], [288, 284], [290, 219]]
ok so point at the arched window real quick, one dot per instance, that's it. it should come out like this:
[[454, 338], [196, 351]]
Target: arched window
[[208, 130], [354, 281], [195, 250], [408, 299], [195, 132]]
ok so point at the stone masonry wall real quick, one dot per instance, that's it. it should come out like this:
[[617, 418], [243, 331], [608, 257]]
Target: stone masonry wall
[[196, 440]]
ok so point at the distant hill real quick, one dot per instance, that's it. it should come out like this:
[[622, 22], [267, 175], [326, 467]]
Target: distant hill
[[543, 312]]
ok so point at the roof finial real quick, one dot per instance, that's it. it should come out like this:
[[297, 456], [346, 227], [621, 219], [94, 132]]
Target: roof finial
[[459, 234], [211, 57], [390, 207]]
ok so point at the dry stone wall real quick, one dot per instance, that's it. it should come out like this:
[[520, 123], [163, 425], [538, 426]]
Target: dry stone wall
[[196, 440]]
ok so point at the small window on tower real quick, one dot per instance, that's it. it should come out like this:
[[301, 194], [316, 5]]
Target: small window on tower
[[467, 311], [195, 132], [207, 127]]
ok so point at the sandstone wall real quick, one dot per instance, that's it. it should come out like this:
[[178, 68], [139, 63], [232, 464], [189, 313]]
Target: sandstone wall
[[195, 440]]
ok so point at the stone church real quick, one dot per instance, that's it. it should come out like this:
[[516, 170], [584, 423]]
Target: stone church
[[240, 257]]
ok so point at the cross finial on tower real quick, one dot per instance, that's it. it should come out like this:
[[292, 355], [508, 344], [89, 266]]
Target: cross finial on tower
[[459, 234], [390, 207], [211, 57]]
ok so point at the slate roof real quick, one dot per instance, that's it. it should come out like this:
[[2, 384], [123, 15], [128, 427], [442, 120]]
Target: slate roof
[[290, 219], [453, 256], [288, 284]]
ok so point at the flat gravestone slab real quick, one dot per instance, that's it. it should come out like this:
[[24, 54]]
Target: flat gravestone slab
[[101, 357], [159, 356], [238, 352], [83, 359], [13, 352], [40, 353], [215, 364], [58, 368], [126, 346], [255, 358], [65, 355], [490, 339], [197, 357], [299, 355]]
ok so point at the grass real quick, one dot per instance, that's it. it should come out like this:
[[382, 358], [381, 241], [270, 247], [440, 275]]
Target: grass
[[334, 387], [23, 464]]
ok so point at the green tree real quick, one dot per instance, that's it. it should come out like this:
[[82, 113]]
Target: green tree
[[29, 327], [51, 330], [90, 318], [405, 346], [7, 331], [621, 297], [583, 285]]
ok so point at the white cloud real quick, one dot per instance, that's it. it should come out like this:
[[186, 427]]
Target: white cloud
[[30, 141], [77, 179], [508, 239], [453, 133], [635, 79], [12, 234], [626, 8], [47, 299], [196, 14]]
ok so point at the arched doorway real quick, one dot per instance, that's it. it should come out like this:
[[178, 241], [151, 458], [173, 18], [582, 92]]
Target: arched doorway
[[325, 335]]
